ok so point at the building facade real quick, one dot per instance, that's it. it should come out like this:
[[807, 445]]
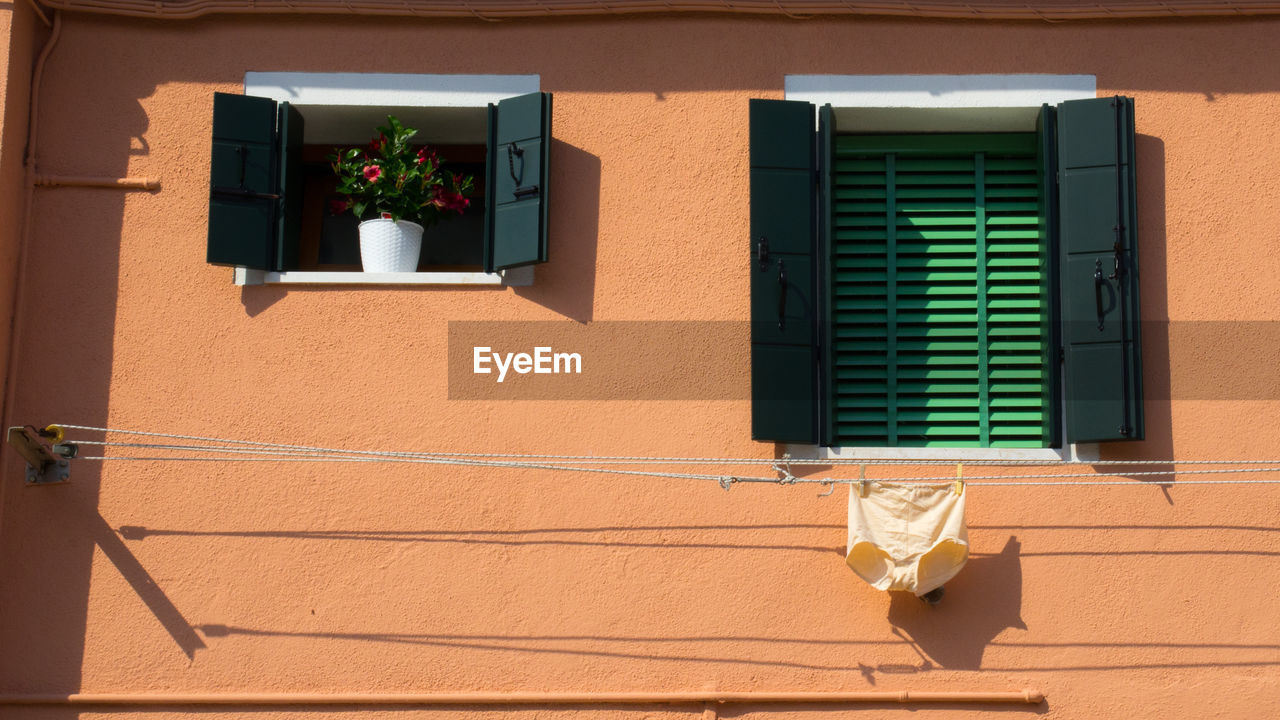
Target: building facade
[[223, 575]]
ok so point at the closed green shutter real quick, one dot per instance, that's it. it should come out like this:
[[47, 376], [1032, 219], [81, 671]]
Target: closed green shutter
[[244, 212], [939, 309], [1099, 270], [784, 354], [518, 172]]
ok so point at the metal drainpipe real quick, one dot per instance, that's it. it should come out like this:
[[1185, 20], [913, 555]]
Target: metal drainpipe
[[19, 305], [124, 183], [709, 699], [505, 9]]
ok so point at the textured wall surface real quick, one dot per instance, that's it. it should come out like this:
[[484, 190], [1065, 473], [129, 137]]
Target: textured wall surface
[[218, 577], [18, 33]]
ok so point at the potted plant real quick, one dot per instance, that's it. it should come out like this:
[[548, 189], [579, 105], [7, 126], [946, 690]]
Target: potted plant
[[396, 189]]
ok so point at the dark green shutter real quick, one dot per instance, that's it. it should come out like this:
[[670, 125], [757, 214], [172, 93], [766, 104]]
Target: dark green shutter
[[1099, 270], [244, 176], [1047, 160], [290, 188], [826, 289], [784, 353], [517, 178]]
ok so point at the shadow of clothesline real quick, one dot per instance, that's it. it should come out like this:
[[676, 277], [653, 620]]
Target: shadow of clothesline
[[559, 537], [525, 644], [485, 537]]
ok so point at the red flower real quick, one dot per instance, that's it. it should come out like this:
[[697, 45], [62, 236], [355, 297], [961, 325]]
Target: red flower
[[427, 154], [378, 143], [337, 207], [449, 200], [372, 173]]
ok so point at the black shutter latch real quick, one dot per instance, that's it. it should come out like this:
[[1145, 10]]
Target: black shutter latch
[[1118, 251], [1097, 291], [762, 253], [782, 295], [521, 190]]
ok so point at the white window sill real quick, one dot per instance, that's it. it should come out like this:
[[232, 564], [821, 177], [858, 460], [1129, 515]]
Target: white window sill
[[1087, 452], [515, 277]]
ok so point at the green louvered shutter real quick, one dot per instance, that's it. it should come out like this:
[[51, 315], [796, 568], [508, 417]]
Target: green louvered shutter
[[1099, 270], [517, 176], [244, 217], [784, 355], [939, 310]]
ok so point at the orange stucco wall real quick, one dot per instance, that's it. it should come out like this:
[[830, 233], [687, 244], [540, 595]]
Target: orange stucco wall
[[1117, 603], [18, 32]]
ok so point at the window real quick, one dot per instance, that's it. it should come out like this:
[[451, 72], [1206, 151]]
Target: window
[[270, 181], [920, 290], [909, 275]]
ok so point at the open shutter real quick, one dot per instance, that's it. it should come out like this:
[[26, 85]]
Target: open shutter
[[1099, 270], [517, 178], [244, 223], [827, 386], [1047, 165], [784, 353], [290, 188]]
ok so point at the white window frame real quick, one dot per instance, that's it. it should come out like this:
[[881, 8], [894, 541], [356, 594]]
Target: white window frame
[[307, 89], [948, 103]]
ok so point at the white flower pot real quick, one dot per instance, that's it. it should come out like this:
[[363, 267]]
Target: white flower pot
[[390, 245]]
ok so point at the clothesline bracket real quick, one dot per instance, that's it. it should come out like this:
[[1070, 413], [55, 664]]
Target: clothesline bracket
[[48, 458]]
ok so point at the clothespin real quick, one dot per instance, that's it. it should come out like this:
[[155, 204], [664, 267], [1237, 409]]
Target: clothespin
[[959, 486], [862, 481], [783, 468]]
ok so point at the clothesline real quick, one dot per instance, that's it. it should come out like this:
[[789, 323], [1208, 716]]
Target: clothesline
[[259, 451], [623, 459]]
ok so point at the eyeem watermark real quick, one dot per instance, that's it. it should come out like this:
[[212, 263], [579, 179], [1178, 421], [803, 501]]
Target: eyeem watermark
[[543, 361]]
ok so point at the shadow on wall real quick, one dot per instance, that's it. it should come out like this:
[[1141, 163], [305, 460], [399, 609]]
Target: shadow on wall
[[980, 603], [63, 373], [566, 284], [1153, 260]]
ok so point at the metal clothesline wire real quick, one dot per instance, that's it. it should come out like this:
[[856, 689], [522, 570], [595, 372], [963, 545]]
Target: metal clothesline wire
[[269, 452], [638, 460], [982, 480], [266, 455]]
